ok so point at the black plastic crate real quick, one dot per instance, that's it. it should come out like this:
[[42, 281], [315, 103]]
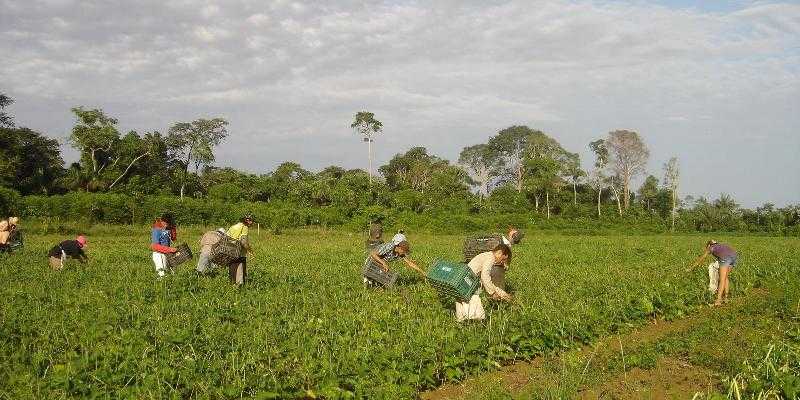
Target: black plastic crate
[[374, 272], [179, 257]]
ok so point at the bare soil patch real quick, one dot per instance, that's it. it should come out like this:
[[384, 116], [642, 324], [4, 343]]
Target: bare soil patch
[[670, 377]]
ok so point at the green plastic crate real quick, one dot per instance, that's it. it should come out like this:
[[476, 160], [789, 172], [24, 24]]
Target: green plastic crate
[[453, 280]]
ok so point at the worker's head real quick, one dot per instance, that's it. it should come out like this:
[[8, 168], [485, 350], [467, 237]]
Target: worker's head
[[710, 243], [81, 241], [168, 219], [514, 235], [13, 221], [221, 230], [402, 248], [502, 254], [247, 219]]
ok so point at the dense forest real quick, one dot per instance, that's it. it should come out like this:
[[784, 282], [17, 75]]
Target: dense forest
[[520, 176]]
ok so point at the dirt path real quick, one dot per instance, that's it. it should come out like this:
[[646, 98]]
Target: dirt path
[[669, 378]]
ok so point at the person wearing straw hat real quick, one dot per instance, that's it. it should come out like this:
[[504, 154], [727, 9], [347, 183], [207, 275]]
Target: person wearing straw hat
[[207, 242], [726, 257], [67, 249]]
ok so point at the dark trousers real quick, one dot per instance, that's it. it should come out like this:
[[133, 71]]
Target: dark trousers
[[237, 271]]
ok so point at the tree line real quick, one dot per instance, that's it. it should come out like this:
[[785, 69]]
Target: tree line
[[518, 170]]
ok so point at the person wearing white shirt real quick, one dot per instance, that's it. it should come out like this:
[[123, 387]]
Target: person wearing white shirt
[[482, 265]]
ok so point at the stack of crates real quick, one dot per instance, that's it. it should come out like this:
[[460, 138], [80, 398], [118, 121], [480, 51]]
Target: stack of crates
[[179, 257], [453, 280]]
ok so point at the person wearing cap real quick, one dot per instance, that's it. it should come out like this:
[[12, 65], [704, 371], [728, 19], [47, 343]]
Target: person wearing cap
[[163, 233], [398, 248], [482, 265], [68, 248], [237, 271], [726, 257], [207, 242]]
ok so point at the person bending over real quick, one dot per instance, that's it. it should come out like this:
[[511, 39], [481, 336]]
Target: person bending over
[[726, 256]]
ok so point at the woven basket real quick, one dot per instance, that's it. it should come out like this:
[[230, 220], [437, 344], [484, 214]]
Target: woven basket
[[226, 251], [480, 244], [179, 257]]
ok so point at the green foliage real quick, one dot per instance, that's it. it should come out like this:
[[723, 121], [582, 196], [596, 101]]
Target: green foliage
[[5, 119], [10, 202], [29, 161], [229, 192], [365, 124], [304, 325]]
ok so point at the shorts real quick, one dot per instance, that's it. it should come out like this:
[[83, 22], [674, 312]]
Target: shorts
[[728, 261]]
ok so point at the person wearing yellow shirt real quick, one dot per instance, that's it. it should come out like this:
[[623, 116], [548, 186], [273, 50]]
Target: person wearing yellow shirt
[[237, 271]]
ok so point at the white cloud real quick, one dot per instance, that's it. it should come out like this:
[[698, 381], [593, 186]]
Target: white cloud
[[210, 34], [439, 74], [258, 19], [209, 11]]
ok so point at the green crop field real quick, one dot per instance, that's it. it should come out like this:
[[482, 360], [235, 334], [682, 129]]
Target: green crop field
[[304, 326]]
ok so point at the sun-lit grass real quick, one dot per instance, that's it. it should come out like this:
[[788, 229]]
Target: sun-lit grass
[[304, 325]]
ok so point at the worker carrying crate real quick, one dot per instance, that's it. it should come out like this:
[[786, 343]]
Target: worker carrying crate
[[465, 283]]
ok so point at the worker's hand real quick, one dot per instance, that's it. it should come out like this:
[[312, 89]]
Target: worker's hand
[[500, 295], [385, 266]]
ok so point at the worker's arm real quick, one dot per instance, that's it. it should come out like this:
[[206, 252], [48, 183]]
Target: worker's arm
[[246, 244], [162, 249], [411, 264], [700, 259], [486, 280], [375, 257]]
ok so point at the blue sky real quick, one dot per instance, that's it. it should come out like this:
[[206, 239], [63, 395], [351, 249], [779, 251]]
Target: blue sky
[[716, 84]]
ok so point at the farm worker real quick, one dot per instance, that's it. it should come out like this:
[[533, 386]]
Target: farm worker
[[5, 232], [726, 256], [375, 233], [162, 235], [498, 272], [9, 234], [481, 265], [512, 237], [207, 242], [237, 271], [68, 248], [399, 237], [389, 252]]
